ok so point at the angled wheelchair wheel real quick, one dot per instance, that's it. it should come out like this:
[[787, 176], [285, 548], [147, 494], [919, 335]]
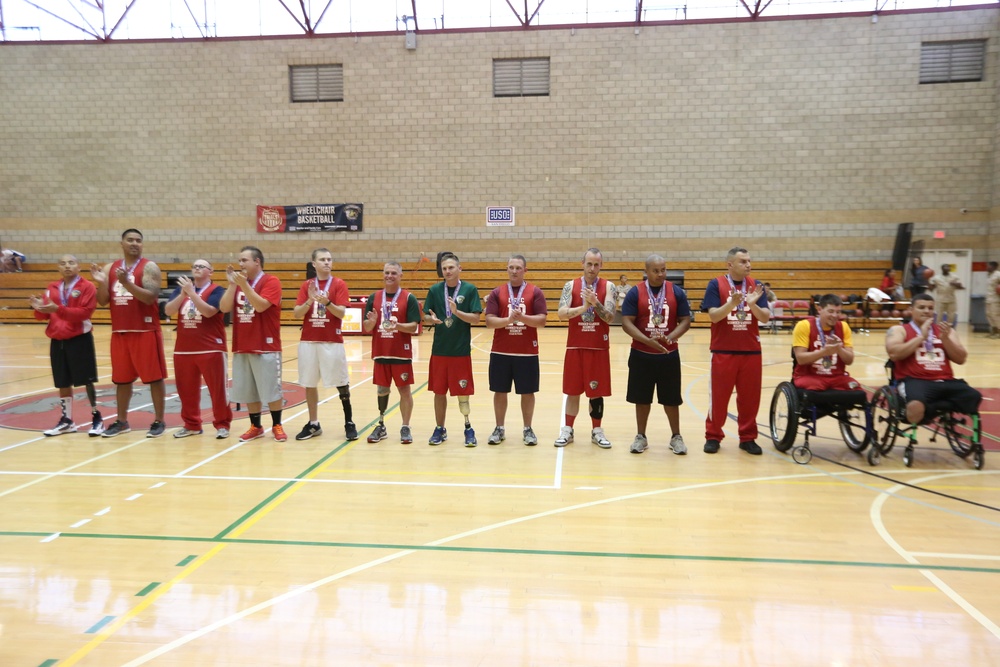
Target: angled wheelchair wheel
[[962, 432], [884, 408], [978, 459], [854, 427], [784, 416]]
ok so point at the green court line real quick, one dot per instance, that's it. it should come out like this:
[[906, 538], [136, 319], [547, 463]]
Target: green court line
[[100, 624], [233, 526], [51, 662], [147, 589], [521, 552], [186, 561]]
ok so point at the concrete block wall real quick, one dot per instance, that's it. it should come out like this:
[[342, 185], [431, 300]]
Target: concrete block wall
[[797, 138]]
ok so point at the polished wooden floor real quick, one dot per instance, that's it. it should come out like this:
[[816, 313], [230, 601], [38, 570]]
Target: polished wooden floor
[[131, 551]]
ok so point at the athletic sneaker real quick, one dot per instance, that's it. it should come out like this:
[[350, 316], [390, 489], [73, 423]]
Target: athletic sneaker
[[565, 436], [598, 438], [309, 430], [530, 439], [252, 433], [470, 437], [156, 429], [440, 435], [221, 433], [350, 431], [677, 445], [711, 446], [751, 447], [405, 435], [184, 432], [65, 425], [639, 445], [96, 425], [497, 436], [278, 431], [117, 428], [379, 433]]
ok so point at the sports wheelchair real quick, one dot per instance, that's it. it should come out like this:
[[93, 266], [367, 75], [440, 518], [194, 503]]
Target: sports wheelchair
[[792, 407], [963, 432]]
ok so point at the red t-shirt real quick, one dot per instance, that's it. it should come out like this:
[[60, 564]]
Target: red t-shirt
[[392, 344], [319, 324], [197, 333], [588, 331], [517, 338], [258, 332], [127, 312]]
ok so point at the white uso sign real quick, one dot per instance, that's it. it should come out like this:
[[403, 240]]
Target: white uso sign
[[500, 216]]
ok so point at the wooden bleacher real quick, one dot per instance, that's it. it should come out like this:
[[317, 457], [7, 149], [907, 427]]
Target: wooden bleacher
[[790, 281]]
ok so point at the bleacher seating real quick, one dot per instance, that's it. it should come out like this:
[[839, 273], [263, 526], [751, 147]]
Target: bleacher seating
[[795, 282]]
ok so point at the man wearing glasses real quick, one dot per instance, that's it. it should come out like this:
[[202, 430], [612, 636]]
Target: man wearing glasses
[[200, 350]]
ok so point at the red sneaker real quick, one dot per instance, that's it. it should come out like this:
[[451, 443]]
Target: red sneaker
[[252, 434], [278, 431]]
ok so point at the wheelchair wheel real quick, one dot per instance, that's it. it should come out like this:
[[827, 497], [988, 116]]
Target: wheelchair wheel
[[854, 428], [884, 408], [978, 459], [784, 416], [961, 436], [908, 456]]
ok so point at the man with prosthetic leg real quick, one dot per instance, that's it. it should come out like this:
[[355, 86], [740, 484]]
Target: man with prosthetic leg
[[589, 304]]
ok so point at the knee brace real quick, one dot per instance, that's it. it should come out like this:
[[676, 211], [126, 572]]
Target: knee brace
[[463, 405], [597, 408]]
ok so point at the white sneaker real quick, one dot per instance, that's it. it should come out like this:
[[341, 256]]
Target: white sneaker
[[565, 436], [639, 445], [222, 434], [96, 425], [65, 425], [598, 438], [677, 445]]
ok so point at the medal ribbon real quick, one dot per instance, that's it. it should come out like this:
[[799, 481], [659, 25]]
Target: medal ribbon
[[742, 290], [447, 306], [593, 288], [190, 302], [64, 291], [657, 299], [326, 287], [822, 339], [929, 343], [387, 306], [515, 301]]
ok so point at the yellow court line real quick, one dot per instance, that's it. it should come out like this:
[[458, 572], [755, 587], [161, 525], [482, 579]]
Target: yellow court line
[[160, 591]]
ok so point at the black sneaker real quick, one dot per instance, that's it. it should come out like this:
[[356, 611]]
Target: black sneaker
[[156, 429], [310, 430], [350, 431], [751, 447], [711, 446], [117, 428]]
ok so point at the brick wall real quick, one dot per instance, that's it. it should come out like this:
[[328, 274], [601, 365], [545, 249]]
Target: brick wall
[[796, 138]]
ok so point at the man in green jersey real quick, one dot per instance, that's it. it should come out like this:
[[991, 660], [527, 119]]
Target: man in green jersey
[[451, 307]]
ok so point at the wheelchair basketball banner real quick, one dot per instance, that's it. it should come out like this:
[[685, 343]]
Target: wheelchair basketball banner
[[310, 218]]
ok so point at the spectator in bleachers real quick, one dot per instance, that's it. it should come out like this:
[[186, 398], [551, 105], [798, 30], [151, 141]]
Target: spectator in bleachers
[[890, 287], [12, 260]]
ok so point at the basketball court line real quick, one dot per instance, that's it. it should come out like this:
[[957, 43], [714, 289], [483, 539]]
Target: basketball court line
[[181, 641]]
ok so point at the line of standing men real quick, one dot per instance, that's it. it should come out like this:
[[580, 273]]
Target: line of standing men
[[655, 314]]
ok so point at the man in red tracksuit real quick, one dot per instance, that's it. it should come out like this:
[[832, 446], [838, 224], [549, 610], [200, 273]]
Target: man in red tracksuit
[[200, 350], [736, 304]]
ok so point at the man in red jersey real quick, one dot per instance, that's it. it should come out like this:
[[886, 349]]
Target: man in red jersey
[[392, 317], [254, 298], [655, 313], [823, 349], [735, 303], [922, 351], [589, 304], [321, 305], [200, 350], [515, 311], [68, 304], [130, 287]]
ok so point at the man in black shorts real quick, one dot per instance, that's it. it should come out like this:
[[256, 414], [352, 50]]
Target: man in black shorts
[[68, 304], [655, 314], [515, 311]]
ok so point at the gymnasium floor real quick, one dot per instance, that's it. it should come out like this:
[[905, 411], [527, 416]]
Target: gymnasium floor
[[130, 551]]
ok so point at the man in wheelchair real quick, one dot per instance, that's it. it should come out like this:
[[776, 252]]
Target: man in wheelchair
[[822, 349], [922, 352]]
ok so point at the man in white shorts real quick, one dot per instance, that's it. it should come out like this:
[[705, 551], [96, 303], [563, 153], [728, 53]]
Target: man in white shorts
[[321, 304]]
